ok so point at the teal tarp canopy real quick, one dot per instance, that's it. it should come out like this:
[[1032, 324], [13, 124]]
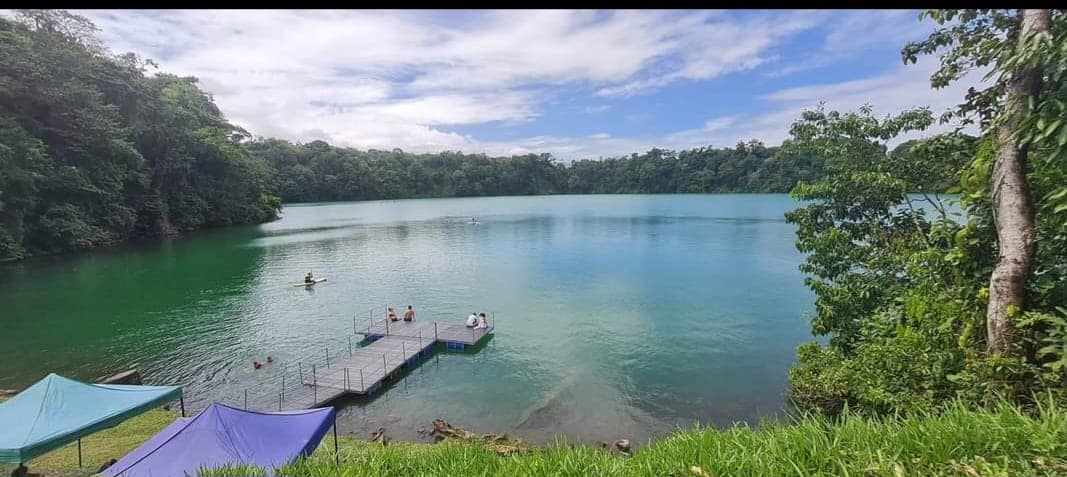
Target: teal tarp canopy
[[56, 411]]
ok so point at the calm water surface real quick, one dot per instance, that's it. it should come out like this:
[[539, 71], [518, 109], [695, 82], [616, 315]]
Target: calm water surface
[[617, 316]]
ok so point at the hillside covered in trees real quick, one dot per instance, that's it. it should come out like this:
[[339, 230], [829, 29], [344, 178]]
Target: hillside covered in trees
[[317, 171], [93, 151]]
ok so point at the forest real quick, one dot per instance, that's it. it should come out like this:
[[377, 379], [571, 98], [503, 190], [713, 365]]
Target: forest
[[93, 151], [317, 171]]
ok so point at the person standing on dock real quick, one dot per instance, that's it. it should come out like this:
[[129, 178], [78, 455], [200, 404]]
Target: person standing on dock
[[410, 314]]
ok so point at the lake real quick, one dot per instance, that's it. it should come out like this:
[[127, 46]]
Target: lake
[[617, 316]]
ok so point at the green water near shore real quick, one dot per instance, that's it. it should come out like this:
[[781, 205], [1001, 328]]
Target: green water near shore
[[617, 316]]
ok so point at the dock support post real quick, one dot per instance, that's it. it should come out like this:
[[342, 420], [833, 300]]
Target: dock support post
[[79, 453], [314, 386], [181, 402]]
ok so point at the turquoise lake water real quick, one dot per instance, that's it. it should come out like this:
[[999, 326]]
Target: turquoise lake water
[[617, 316]]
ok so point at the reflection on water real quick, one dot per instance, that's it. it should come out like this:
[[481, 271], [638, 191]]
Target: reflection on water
[[617, 316]]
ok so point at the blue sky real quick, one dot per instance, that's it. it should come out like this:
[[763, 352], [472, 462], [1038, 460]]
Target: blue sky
[[575, 84]]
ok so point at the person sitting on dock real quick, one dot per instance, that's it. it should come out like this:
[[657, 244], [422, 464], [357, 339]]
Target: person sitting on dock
[[472, 320], [391, 315], [308, 278], [481, 321], [410, 314]]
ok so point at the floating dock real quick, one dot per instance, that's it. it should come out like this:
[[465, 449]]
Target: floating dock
[[384, 350], [388, 348]]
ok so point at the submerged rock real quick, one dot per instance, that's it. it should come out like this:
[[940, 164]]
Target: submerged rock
[[499, 443]]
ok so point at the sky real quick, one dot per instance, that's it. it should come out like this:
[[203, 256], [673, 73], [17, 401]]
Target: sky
[[575, 84]]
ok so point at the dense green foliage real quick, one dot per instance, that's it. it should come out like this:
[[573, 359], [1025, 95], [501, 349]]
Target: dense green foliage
[[317, 171], [959, 442], [95, 152], [902, 283]]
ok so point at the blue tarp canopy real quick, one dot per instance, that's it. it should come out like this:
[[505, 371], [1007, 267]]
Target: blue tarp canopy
[[57, 411], [222, 435]]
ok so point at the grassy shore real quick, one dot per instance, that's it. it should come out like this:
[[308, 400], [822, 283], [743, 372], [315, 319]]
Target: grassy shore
[[958, 442], [998, 442]]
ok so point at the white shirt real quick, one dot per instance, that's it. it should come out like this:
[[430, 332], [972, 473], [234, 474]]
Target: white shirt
[[472, 320]]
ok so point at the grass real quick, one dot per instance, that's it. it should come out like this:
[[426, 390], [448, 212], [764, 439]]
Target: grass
[[957, 442]]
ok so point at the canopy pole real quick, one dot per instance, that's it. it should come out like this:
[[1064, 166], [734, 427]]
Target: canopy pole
[[181, 401], [79, 453], [336, 454]]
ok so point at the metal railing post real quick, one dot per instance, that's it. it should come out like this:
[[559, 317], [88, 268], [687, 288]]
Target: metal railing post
[[362, 387], [383, 366], [349, 346], [300, 366], [327, 356], [284, 369], [403, 351], [353, 324], [280, 395], [246, 399], [435, 331], [346, 379], [314, 386], [387, 320]]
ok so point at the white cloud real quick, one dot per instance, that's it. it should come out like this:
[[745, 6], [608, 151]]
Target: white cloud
[[901, 88], [855, 32], [366, 78], [385, 79]]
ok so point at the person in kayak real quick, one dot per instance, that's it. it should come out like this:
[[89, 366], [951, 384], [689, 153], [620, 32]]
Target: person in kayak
[[308, 278]]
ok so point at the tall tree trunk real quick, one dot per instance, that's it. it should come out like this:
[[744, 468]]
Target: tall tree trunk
[[1013, 207]]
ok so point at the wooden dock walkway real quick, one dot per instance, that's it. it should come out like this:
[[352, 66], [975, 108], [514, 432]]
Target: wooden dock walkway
[[385, 350], [388, 347]]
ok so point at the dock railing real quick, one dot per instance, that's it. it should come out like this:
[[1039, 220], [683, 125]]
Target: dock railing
[[297, 384]]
